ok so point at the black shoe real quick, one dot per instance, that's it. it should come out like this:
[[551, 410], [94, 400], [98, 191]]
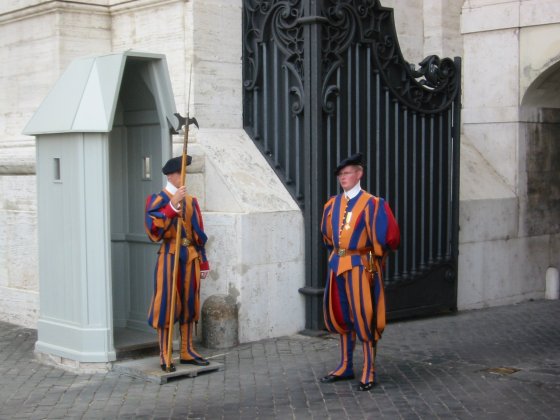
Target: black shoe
[[171, 368], [199, 361], [366, 387], [335, 378]]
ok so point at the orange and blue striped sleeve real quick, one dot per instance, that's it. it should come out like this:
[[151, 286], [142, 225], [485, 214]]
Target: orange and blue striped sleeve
[[199, 236], [387, 227], [159, 216], [383, 224], [326, 224]]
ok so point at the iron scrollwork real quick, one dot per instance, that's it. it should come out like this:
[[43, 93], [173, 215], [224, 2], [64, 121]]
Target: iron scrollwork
[[337, 35], [428, 89], [347, 22], [276, 21]]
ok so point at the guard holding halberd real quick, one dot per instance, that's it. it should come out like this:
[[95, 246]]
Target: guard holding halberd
[[165, 211], [359, 230]]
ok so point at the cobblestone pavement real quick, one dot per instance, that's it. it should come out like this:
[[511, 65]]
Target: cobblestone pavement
[[427, 368]]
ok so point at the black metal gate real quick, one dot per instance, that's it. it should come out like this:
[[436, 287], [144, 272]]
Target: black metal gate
[[324, 79]]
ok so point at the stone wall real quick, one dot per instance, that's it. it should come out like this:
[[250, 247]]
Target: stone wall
[[427, 27], [37, 41], [202, 44], [509, 183], [509, 197]]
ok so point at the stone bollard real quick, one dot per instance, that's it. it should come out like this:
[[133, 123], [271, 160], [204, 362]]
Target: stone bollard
[[219, 322], [552, 281]]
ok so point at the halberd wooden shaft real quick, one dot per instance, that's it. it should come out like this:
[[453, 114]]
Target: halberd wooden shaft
[[169, 358]]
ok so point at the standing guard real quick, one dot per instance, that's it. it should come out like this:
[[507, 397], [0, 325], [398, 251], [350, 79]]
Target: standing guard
[[164, 212], [359, 230]]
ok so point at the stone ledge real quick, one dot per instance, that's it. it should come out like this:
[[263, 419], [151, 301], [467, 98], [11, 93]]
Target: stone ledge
[[17, 168], [118, 7], [17, 157], [32, 10]]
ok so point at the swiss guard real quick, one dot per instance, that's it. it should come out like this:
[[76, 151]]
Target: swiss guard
[[359, 231], [165, 211]]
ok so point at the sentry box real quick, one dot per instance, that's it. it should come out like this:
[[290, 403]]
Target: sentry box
[[103, 134]]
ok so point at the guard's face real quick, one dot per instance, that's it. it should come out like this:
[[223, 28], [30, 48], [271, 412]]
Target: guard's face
[[175, 179], [349, 176]]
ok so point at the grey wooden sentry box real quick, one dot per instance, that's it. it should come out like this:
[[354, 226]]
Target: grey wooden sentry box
[[103, 133]]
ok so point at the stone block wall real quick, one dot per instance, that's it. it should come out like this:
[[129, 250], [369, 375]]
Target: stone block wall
[[40, 38], [509, 197], [509, 185]]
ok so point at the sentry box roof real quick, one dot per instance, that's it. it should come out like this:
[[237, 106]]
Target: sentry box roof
[[85, 97]]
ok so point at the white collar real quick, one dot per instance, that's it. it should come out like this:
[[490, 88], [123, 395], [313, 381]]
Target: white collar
[[354, 191], [171, 188]]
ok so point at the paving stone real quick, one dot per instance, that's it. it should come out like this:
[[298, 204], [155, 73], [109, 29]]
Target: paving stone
[[427, 368]]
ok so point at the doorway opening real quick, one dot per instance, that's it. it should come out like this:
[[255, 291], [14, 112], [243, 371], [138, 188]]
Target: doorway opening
[[138, 141]]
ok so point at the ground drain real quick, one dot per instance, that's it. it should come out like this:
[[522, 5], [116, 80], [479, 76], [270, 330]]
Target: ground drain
[[501, 370]]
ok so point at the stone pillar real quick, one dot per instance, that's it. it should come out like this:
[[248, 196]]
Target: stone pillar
[[219, 322]]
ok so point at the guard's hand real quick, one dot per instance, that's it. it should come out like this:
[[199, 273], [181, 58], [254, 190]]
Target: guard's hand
[[203, 274], [178, 197]]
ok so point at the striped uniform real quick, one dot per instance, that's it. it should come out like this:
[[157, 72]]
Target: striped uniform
[[161, 223], [351, 230]]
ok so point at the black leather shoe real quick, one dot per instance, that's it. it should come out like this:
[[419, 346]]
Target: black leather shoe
[[171, 368], [199, 361], [335, 378], [366, 387]]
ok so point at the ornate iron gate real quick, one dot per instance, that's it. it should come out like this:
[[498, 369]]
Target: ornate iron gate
[[324, 79]]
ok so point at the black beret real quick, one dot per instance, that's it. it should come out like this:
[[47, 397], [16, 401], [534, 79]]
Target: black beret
[[355, 159], [174, 165]]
